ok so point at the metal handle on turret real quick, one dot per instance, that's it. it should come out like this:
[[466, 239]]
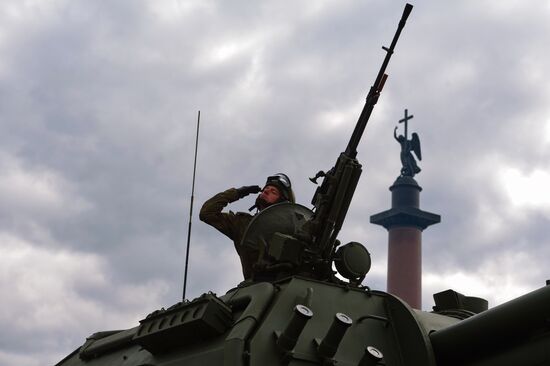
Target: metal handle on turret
[[289, 337], [329, 345]]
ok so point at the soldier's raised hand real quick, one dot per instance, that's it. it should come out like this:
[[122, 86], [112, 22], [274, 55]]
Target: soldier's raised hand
[[246, 190]]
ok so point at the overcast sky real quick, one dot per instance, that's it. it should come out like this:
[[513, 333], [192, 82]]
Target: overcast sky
[[98, 109]]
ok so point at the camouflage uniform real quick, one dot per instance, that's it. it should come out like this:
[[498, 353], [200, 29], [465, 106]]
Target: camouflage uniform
[[231, 224]]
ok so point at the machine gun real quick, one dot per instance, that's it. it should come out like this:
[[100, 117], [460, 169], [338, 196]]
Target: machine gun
[[291, 239], [333, 197]]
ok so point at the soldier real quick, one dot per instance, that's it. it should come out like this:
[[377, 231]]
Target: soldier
[[277, 189]]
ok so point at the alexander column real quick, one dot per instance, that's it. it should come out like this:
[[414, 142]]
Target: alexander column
[[405, 222]]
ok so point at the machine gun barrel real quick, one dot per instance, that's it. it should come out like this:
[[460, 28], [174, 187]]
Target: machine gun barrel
[[376, 88], [333, 197]]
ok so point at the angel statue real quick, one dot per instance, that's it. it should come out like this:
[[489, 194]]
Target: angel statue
[[408, 147]]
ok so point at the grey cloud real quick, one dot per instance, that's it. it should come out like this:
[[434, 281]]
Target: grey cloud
[[105, 96]]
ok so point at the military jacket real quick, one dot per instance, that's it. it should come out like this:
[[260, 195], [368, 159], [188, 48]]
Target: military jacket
[[231, 224]]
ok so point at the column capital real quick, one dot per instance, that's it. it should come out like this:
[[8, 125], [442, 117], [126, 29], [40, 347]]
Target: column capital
[[405, 216]]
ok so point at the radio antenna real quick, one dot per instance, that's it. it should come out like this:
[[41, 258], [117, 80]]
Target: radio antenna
[[191, 208]]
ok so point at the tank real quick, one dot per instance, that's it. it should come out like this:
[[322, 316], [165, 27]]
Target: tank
[[295, 318], [306, 303]]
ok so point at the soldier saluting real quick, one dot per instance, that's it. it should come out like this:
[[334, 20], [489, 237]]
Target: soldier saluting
[[277, 189]]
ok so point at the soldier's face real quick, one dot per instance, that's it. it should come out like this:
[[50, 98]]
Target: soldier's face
[[270, 194]]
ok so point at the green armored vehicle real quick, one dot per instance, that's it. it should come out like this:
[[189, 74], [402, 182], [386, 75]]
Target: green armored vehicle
[[300, 319], [306, 304]]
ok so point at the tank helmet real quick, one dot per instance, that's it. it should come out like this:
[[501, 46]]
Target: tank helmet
[[282, 183]]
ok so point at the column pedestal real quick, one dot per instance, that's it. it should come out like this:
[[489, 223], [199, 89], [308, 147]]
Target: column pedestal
[[405, 222]]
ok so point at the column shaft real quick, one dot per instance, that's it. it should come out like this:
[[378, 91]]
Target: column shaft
[[405, 264]]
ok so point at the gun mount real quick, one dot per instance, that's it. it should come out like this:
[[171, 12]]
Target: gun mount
[[277, 234]]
